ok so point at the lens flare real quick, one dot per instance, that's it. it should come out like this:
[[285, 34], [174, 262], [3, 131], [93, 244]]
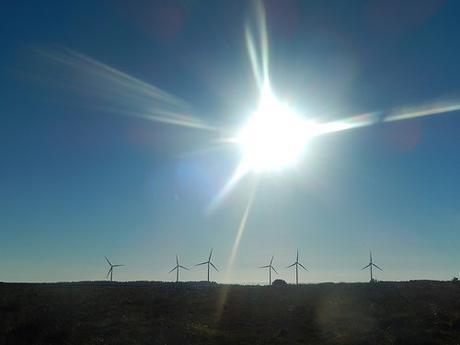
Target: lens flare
[[116, 92]]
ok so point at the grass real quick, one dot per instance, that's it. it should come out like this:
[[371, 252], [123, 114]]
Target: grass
[[419, 312]]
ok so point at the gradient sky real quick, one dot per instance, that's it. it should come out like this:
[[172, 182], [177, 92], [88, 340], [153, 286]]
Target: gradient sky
[[78, 183]]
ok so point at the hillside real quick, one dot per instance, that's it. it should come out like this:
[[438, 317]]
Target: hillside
[[419, 312]]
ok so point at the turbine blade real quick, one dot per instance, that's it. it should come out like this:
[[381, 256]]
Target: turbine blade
[[117, 265], [265, 266], [214, 266], [177, 260], [273, 268], [377, 267], [108, 273], [291, 265], [108, 261], [210, 254], [271, 261], [175, 268], [185, 268], [297, 257], [203, 263], [368, 265], [303, 267]]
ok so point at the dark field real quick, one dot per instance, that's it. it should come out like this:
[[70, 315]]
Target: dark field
[[422, 312]]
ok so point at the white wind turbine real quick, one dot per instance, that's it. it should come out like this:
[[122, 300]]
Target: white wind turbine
[[270, 268], [110, 271], [370, 265], [177, 268], [209, 263], [297, 264]]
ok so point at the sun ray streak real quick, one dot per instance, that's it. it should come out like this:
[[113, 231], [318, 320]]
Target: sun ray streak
[[119, 93], [240, 171], [263, 39], [259, 56], [242, 225], [392, 115], [253, 57], [434, 109], [356, 121], [244, 219]]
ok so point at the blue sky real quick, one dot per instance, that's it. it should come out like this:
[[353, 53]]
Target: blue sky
[[78, 183]]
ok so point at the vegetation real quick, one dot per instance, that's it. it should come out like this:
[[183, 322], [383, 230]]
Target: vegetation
[[418, 312]]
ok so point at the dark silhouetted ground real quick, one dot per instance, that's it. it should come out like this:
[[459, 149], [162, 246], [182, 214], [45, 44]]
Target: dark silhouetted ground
[[92, 313]]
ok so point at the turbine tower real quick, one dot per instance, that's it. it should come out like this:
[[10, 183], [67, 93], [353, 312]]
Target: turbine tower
[[370, 265], [270, 268], [110, 272], [209, 263], [297, 264], [177, 268]]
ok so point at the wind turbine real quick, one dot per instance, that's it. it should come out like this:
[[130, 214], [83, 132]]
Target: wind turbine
[[270, 268], [110, 272], [297, 264], [177, 268], [370, 265], [209, 263]]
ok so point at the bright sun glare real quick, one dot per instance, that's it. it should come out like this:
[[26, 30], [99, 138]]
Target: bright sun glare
[[274, 137]]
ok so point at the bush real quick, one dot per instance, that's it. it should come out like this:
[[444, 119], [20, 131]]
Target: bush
[[279, 282]]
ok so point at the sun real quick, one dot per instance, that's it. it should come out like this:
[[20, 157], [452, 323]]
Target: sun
[[274, 137]]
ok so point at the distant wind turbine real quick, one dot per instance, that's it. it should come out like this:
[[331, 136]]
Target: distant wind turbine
[[297, 264], [209, 263], [270, 268], [177, 268], [110, 272], [370, 265]]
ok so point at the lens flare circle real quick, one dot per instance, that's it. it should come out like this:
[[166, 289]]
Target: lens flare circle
[[274, 137]]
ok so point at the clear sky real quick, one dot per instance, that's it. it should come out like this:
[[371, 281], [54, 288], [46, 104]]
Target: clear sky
[[79, 181]]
